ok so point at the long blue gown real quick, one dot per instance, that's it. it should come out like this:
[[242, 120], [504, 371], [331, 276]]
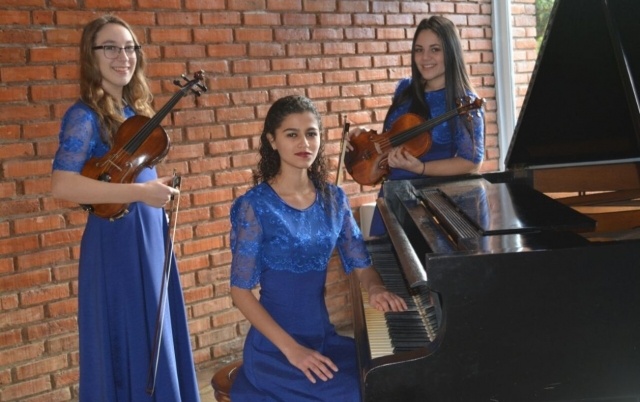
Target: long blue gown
[[286, 251], [120, 276]]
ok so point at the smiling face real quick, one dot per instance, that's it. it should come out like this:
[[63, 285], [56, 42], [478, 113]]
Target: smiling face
[[428, 55], [297, 141], [116, 73]]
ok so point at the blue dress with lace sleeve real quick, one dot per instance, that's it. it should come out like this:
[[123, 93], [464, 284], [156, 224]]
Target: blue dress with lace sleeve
[[80, 138], [286, 251], [120, 275]]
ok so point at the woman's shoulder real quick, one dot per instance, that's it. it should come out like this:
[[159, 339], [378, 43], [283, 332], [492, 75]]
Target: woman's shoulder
[[333, 189], [80, 106], [336, 193], [403, 84], [80, 110], [252, 196]]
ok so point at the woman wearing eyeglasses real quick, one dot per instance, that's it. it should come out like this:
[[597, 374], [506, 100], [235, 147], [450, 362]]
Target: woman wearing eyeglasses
[[121, 261]]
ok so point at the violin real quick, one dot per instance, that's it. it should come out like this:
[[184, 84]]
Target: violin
[[368, 161], [140, 142]]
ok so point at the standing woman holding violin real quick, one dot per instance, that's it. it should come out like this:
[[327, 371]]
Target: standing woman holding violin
[[438, 80], [121, 260]]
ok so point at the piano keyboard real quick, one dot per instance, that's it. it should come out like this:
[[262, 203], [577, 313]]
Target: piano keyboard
[[392, 332]]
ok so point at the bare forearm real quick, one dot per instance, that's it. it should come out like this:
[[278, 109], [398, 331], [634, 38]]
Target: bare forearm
[[400, 158], [74, 187], [368, 278], [379, 297], [261, 319], [449, 167]]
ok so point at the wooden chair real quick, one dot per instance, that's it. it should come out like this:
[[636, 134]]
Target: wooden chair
[[223, 379]]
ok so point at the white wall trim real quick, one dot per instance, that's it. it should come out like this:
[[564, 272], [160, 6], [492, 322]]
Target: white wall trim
[[504, 73]]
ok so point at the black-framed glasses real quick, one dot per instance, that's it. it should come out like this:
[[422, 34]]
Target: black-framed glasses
[[112, 52]]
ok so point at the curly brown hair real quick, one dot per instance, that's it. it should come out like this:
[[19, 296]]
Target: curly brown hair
[[137, 93], [269, 164]]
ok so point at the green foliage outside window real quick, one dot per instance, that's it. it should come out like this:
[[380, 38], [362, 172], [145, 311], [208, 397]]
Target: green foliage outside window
[[543, 9]]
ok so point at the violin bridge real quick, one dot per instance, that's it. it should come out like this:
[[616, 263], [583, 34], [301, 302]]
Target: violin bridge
[[378, 148]]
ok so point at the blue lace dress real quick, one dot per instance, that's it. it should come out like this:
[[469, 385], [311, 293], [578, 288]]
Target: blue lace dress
[[286, 251], [444, 145], [120, 276]]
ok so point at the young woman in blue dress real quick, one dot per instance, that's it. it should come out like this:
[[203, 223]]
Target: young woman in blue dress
[[438, 79], [121, 261], [284, 231]]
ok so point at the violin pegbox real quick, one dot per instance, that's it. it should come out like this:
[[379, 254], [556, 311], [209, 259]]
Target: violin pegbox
[[197, 81], [469, 103]]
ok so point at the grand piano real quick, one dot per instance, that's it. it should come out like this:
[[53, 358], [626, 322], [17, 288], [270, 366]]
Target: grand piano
[[524, 285]]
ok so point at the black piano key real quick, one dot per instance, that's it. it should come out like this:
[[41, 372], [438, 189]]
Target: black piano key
[[407, 330]]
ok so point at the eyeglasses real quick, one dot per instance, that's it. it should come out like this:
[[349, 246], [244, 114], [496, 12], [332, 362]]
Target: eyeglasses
[[112, 52]]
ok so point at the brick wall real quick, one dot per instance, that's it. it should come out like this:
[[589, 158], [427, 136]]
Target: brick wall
[[344, 54]]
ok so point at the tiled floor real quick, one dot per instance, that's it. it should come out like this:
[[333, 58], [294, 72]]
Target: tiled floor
[[204, 383]]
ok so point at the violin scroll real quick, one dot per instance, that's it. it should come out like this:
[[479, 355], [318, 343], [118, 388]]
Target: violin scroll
[[198, 77]]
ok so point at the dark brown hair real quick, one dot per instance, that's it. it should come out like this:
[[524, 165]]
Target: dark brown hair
[[269, 164], [457, 81]]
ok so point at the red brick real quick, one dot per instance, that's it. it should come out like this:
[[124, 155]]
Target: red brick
[[39, 367], [247, 5], [252, 52], [17, 244], [55, 54], [227, 50], [205, 4], [222, 18], [54, 395], [10, 338], [13, 94], [45, 294], [285, 5], [16, 150], [212, 306], [198, 294], [18, 113], [159, 4], [21, 36], [191, 264], [13, 55], [63, 343], [22, 390], [49, 329]]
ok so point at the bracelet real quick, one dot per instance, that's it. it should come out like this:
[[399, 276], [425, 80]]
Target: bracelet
[[423, 166]]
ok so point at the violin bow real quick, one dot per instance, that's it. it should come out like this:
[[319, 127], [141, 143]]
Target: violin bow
[[343, 149], [168, 259]]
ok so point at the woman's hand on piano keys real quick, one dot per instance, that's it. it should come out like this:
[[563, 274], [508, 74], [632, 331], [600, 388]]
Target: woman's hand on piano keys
[[383, 300]]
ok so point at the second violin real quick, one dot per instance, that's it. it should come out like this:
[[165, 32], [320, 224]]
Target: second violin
[[368, 162]]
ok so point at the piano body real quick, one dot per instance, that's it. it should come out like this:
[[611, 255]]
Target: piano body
[[524, 285]]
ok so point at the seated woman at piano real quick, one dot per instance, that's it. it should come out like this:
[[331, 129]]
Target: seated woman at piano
[[283, 233], [438, 80]]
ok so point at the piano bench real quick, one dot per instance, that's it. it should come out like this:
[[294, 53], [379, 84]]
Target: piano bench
[[222, 380]]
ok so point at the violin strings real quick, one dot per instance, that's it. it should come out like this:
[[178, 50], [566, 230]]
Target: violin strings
[[136, 141], [404, 136]]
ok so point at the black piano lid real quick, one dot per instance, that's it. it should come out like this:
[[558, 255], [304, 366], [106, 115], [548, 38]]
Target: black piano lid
[[581, 106], [504, 208]]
